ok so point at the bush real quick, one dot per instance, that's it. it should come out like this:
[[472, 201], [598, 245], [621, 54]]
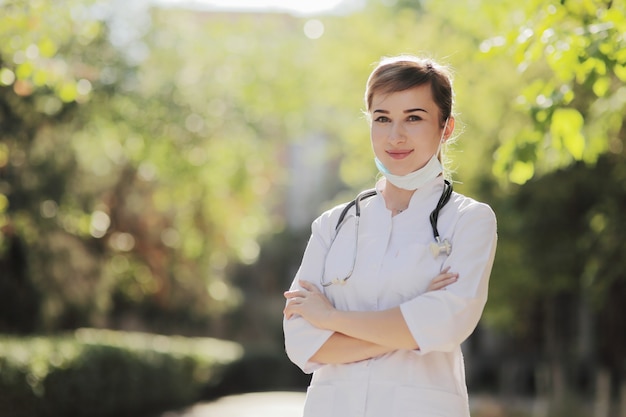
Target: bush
[[261, 369], [107, 373]]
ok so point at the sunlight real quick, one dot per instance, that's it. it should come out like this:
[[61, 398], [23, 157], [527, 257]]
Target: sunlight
[[300, 7]]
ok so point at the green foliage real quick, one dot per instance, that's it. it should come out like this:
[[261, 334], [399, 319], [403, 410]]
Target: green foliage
[[559, 254], [153, 184], [167, 166], [102, 373], [262, 369], [560, 264], [31, 51], [572, 53], [571, 212], [136, 170]]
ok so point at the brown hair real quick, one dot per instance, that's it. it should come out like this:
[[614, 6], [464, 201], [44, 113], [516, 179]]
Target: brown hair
[[403, 72]]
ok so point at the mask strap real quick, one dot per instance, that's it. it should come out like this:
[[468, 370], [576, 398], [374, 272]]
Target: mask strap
[[441, 139], [445, 126]]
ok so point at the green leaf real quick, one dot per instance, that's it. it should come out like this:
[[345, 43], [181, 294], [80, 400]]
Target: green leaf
[[67, 92], [521, 172], [4, 203], [47, 48], [566, 128], [601, 86], [620, 72]]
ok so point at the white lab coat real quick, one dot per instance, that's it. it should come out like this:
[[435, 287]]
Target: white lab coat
[[394, 268]]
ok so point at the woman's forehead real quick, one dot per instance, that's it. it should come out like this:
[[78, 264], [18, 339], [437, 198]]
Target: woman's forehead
[[420, 96]]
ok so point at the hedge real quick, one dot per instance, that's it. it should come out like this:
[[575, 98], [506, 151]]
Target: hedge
[[94, 373]]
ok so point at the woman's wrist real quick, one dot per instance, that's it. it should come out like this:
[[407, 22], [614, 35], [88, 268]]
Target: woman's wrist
[[331, 320]]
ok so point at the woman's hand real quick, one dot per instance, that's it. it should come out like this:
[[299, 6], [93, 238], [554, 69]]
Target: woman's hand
[[310, 304], [313, 306], [442, 280]]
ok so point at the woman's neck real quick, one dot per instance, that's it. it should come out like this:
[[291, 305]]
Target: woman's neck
[[396, 199]]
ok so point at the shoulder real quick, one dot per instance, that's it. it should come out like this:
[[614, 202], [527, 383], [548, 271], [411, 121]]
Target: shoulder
[[330, 218], [469, 209], [468, 204]]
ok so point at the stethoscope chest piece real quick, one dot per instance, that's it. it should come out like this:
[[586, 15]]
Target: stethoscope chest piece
[[339, 281], [440, 248]]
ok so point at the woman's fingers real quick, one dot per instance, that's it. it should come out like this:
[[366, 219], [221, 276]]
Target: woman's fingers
[[295, 298], [309, 303], [443, 280], [293, 301], [308, 286], [293, 293]]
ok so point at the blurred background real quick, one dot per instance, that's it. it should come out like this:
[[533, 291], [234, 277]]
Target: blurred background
[[161, 162]]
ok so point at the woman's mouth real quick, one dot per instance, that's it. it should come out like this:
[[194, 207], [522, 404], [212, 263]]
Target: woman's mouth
[[399, 154]]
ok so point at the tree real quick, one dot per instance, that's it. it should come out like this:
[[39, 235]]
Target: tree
[[148, 195], [573, 54], [560, 258], [38, 90]]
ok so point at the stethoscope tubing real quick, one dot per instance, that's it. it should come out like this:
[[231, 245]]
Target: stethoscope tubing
[[434, 216]]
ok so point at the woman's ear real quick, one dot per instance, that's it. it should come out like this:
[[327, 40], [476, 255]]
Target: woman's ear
[[449, 128]]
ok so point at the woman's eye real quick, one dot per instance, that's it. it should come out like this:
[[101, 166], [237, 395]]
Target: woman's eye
[[382, 119], [414, 118]]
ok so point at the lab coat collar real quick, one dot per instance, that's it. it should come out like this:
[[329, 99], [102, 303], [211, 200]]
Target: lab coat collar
[[420, 195]]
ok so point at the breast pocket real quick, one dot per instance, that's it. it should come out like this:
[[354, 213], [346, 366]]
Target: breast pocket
[[411, 269], [413, 402]]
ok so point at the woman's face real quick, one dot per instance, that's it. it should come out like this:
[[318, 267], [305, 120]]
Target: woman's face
[[405, 129]]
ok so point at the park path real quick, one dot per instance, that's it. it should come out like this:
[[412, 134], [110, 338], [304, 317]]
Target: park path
[[257, 404], [290, 404]]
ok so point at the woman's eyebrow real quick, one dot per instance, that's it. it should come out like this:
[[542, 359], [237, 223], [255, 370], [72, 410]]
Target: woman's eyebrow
[[415, 110]]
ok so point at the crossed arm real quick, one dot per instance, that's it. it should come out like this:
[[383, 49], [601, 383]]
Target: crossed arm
[[358, 335]]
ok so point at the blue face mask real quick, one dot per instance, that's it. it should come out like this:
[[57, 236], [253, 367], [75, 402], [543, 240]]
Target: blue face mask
[[416, 179]]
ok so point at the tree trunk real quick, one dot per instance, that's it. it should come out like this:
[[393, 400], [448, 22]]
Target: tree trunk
[[602, 402]]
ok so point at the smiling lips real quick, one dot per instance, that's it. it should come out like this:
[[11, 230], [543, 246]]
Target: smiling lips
[[399, 154]]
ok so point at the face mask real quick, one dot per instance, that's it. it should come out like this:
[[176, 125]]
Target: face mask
[[415, 179]]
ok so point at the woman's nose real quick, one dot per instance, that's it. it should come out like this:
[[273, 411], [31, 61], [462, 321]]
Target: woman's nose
[[396, 133]]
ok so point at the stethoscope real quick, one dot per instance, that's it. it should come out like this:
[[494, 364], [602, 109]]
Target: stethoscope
[[438, 247]]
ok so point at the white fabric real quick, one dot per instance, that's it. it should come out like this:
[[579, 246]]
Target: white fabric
[[415, 179], [394, 267]]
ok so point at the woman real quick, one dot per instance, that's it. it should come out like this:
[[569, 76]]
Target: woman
[[364, 314]]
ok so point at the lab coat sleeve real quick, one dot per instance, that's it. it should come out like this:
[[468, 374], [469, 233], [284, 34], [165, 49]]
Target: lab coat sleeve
[[302, 339], [442, 320]]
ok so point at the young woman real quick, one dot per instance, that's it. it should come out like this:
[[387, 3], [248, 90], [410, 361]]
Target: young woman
[[364, 314]]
